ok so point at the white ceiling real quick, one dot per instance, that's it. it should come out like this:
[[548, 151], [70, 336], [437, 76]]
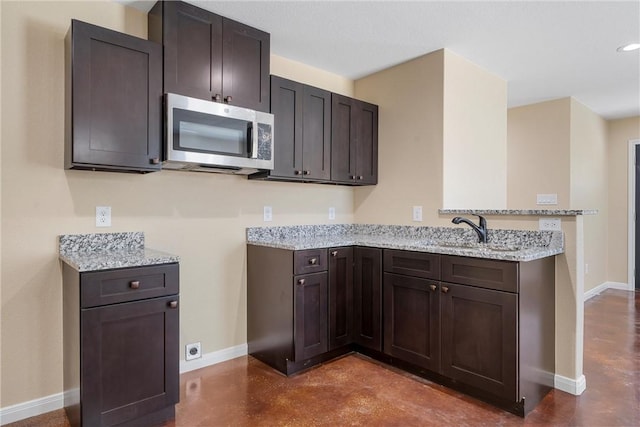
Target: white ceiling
[[543, 49]]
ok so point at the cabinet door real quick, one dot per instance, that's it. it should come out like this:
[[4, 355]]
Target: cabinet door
[[286, 106], [367, 294], [343, 137], [192, 50], [340, 297], [354, 141], [316, 139], [412, 320], [367, 143], [245, 72], [310, 315], [114, 100], [479, 338], [129, 365]]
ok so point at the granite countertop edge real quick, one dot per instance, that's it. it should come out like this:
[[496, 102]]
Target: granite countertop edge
[[107, 251], [523, 212]]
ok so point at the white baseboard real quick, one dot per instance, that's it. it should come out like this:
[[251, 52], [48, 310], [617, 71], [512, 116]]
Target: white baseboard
[[46, 404], [603, 287], [212, 358], [31, 408], [575, 387]]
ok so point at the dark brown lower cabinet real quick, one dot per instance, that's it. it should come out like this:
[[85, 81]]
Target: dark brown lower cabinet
[[121, 360], [479, 338], [340, 297], [485, 327], [367, 298], [412, 320], [310, 315]]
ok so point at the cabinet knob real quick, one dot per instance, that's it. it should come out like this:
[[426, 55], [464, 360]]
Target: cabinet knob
[[305, 173], [301, 282], [135, 284], [445, 289], [155, 161], [173, 304], [433, 287], [360, 177], [228, 99], [217, 97], [352, 177], [334, 253], [297, 172], [313, 261]]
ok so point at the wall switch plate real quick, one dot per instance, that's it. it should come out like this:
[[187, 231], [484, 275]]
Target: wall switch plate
[[267, 214], [549, 224], [417, 213], [547, 199], [103, 216], [332, 213], [192, 351]]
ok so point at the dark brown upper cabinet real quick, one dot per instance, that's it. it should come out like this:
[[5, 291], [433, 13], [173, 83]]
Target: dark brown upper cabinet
[[354, 141], [302, 132], [113, 100], [210, 57]]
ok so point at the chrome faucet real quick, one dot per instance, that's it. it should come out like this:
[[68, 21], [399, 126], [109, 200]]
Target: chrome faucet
[[480, 230]]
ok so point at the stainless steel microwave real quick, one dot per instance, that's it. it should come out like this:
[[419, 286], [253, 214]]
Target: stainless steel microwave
[[207, 136]]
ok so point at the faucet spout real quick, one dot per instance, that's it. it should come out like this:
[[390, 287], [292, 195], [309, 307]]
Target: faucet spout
[[481, 229]]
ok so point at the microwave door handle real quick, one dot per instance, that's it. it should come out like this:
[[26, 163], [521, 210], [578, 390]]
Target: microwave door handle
[[253, 137]]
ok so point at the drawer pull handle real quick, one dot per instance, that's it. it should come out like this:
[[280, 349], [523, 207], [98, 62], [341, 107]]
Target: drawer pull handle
[[228, 99], [173, 304], [301, 282], [445, 289], [433, 287], [313, 261], [334, 253], [134, 284]]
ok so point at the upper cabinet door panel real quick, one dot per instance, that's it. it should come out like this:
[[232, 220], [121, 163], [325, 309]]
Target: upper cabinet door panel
[[367, 148], [192, 51], [245, 72], [316, 124], [116, 94], [342, 138], [286, 106]]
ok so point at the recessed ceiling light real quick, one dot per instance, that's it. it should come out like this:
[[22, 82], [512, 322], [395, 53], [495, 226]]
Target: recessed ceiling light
[[629, 47]]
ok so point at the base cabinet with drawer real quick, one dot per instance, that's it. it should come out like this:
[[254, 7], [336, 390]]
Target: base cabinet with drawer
[[121, 345]]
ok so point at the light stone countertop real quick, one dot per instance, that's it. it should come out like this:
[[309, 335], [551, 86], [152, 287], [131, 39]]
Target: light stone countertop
[[521, 212], [105, 251], [510, 245]]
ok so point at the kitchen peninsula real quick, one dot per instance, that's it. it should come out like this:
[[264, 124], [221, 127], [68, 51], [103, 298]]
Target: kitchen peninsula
[[477, 317]]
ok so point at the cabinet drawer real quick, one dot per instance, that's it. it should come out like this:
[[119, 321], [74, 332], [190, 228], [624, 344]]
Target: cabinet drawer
[[484, 273], [128, 284], [417, 264], [309, 261]]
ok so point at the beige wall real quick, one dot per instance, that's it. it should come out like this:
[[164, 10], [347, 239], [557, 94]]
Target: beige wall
[[589, 188], [538, 153], [620, 132], [474, 136], [200, 217], [409, 97]]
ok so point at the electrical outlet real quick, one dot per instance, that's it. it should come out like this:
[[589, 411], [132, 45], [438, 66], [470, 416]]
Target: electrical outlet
[[417, 213], [103, 216], [192, 351], [549, 224], [547, 199], [332, 213], [267, 214], [586, 269]]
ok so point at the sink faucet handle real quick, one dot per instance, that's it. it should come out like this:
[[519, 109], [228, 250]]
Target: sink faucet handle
[[483, 221]]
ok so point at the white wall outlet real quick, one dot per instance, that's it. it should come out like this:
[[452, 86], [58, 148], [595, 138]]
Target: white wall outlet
[[549, 224], [417, 213], [267, 214], [192, 351], [586, 269], [547, 199], [103, 216], [332, 213]]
